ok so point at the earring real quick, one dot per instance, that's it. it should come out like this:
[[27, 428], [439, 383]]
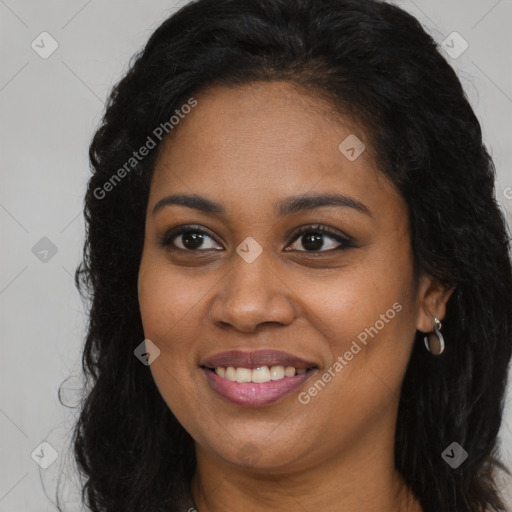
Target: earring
[[434, 340]]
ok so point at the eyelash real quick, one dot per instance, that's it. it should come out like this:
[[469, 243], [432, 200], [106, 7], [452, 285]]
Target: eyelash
[[345, 242]]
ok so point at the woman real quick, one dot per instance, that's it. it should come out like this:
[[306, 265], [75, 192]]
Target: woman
[[300, 277]]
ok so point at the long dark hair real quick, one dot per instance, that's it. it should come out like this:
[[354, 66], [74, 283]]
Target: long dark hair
[[376, 64]]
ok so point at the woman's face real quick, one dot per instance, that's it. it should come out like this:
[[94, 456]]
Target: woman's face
[[344, 302]]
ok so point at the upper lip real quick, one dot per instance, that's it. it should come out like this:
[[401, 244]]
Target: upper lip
[[255, 358]]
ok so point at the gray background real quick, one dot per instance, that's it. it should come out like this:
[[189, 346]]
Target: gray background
[[49, 110]]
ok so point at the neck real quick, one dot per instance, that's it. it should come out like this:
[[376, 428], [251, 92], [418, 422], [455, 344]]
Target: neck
[[360, 478]]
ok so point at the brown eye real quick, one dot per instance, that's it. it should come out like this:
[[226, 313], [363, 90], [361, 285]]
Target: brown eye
[[313, 240], [187, 238]]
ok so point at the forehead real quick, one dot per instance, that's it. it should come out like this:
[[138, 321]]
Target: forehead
[[265, 139]]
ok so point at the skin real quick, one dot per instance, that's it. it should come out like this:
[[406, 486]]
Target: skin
[[247, 148]]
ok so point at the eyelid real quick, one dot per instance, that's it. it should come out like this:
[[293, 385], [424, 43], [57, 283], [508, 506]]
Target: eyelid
[[343, 240], [339, 237], [165, 239]]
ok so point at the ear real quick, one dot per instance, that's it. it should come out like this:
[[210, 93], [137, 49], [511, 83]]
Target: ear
[[432, 298]]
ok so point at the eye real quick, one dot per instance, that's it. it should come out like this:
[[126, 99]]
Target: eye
[[191, 238], [188, 238], [311, 237]]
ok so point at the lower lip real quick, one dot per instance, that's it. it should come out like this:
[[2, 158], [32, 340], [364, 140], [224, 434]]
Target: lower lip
[[255, 394]]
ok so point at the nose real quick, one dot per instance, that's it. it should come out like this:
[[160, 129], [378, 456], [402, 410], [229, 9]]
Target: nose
[[252, 294]]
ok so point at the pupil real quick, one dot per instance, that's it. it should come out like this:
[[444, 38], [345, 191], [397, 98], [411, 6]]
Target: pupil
[[195, 239], [310, 241]]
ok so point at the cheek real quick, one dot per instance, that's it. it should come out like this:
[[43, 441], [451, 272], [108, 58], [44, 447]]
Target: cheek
[[369, 353], [167, 301], [167, 309], [367, 312], [351, 300]]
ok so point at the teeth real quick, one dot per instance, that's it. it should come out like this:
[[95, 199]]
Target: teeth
[[243, 375], [277, 372], [260, 374], [289, 371]]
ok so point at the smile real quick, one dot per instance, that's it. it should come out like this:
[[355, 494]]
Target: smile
[[277, 384], [259, 374], [253, 378]]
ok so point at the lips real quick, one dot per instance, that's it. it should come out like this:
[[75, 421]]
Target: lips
[[255, 359], [288, 374]]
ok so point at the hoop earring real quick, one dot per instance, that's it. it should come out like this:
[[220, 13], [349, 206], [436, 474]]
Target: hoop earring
[[434, 340]]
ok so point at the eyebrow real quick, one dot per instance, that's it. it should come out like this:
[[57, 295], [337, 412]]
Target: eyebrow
[[288, 206]]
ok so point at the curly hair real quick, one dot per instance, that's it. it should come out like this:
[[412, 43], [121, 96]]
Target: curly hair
[[375, 63]]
